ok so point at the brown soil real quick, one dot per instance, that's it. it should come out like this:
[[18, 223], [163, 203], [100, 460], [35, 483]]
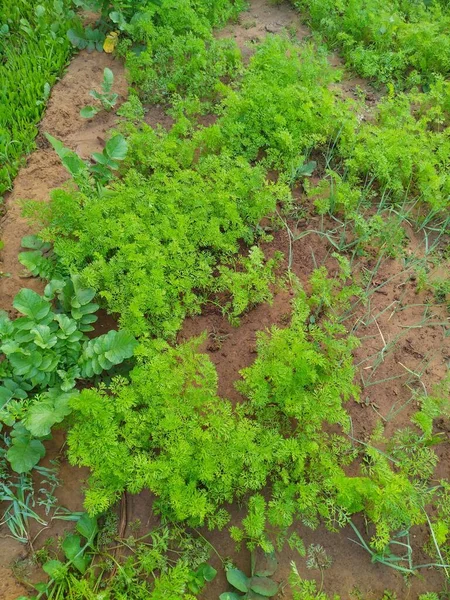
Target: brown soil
[[413, 344]]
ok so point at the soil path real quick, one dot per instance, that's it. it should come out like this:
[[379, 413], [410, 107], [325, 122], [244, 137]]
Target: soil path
[[43, 172]]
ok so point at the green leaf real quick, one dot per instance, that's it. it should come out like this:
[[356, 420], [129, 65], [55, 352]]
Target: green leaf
[[25, 364], [88, 112], [87, 526], [254, 596], [36, 263], [42, 415], [33, 242], [238, 579], [66, 324], [43, 336], [306, 170], [83, 294], [101, 159], [53, 287], [117, 147], [265, 564], [71, 161], [6, 326], [32, 305], [24, 454], [73, 550], [54, 568], [91, 39], [207, 572], [120, 344], [230, 596], [264, 586], [108, 80]]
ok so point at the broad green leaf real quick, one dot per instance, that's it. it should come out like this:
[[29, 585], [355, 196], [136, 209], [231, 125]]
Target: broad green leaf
[[121, 345], [32, 305], [230, 596], [251, 595], [264, 564], [53, 287], [87, 526], [5, 395], [101, 159], [72, 549], [36, 263], [25, 365], [207, 571], [6, 326], [83, 294], [66, 324], [238, 579], [39, 11], [43, 336], [54, 568], [72, 162], [25, 453], [87, 309], [91, 39], [88, 112], [33, 242], [306, 170], [42, 415], [108, 80], [116, 148], [264, 586]]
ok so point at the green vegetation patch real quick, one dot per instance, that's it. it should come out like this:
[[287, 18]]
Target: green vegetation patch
[[33, 51], [398, 40]]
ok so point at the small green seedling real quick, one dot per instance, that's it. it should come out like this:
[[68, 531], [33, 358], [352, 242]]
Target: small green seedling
[[258, 586], [197, 579], [106, 97]]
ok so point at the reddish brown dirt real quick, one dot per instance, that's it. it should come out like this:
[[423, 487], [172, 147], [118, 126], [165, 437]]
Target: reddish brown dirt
[[231, 348]]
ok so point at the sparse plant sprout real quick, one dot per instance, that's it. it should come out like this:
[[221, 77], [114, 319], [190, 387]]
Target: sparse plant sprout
[[107, 98], [317, 558]]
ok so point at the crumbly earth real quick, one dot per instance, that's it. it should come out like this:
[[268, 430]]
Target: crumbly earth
[[400, 337]]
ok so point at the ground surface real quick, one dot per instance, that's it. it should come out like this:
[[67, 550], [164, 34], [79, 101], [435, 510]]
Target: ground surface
[[395, 320]]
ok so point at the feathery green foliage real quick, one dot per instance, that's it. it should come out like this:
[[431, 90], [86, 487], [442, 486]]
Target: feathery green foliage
[[150, 246], [401, 41], [170, 432], [283, 107], [171, 49]]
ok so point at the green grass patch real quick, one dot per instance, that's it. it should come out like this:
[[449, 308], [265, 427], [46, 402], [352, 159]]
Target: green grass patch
[[33, 51]]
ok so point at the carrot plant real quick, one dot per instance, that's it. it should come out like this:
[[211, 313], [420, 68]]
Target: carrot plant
[[191, 449], [178, 54], [162, 230], [404, 42], [262, 119]]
